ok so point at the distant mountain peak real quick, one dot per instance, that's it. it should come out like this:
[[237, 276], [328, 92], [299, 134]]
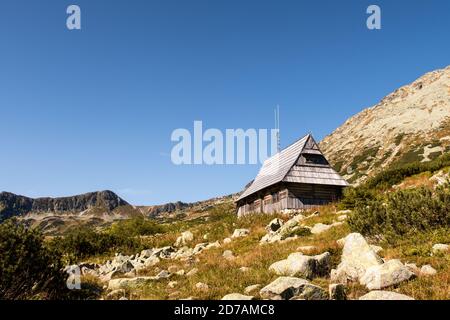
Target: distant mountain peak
[[17, 205]]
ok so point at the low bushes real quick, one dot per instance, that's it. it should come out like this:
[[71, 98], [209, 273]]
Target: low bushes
[[28, 268], [402, 212], [395, 175]]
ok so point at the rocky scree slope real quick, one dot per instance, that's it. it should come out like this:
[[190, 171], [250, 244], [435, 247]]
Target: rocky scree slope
[[410, 124]]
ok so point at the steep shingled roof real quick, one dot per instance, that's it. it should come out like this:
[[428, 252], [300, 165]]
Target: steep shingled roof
[[283, 167]]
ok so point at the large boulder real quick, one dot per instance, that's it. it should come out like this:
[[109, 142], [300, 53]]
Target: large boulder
[[274, 225], [285, 288], [185, 238], [337, 291], [388, 274], [385, 295], [298, 264], [357, 257]]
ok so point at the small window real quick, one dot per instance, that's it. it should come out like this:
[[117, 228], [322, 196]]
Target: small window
[[315, 159]]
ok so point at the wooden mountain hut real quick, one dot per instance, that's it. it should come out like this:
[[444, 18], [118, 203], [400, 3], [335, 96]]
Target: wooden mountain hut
[[297, 178]]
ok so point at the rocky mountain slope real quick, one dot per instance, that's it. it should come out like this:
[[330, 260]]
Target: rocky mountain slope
[[410, 124], [56, 214]]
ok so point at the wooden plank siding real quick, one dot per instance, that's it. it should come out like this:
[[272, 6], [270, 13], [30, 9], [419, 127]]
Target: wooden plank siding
[[297, 178]]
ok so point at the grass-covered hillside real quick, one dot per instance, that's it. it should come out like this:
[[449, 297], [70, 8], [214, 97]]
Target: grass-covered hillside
[[403, 215]]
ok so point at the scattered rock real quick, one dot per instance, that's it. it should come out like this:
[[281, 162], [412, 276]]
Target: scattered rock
[[151, 261], [274, 225], [320, 227], [342, 217], [213, 245], [252, 288], [239, 233], [202, 286], [440, 248], [180, 272], [164, 274], [123, 283], [357, 257], [284, 288], [185, 238], [237, 296], [385, 295], [172, 284], [337, 291], [298, 264], [412, 267], [244, 269], [381, 276], [227, 240], [344, 212], [427, 270], [116, 294], [199, 248], [312, 292], [228, 254]]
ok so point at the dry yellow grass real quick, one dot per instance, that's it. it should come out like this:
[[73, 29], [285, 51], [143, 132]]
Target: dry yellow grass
[[224, 277]]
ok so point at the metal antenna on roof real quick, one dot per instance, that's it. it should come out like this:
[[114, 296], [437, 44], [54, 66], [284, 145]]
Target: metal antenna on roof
[[277, 127]]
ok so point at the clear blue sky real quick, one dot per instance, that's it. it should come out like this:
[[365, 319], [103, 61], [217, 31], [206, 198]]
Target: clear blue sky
[[94, 109]]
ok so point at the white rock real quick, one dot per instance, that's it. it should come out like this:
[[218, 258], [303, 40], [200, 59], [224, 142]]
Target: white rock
[[320, 227], [283, 288], [252, 288], [228, 254], [213, 245], [427, 270], [385, 295], [152, 261], [227, 240], [237, 296], [274, 225], [357, 257], [440, 248], [172, 284], [376, 248], [412, 267], [298, 264], [202, 286], [123, 283], [238, 233], [342, 217], [381, 276], [185, 238], [244, 269]]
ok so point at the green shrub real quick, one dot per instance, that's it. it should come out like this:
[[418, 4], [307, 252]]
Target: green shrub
[[353, 197], [134, 227], [28, 269], [395, 175], [84, 242], [403, 212]]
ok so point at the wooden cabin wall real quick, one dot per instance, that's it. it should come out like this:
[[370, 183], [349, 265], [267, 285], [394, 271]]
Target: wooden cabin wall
[[291, 196]]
